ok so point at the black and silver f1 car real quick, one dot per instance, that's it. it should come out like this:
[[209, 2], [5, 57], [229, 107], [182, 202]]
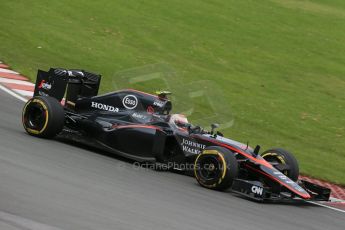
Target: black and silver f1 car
[[139, 126]]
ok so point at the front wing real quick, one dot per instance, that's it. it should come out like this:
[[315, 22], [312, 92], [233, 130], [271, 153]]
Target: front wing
[[257, 191]]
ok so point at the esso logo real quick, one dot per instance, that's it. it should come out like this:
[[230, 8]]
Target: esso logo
[[130, 102], [257, 190]]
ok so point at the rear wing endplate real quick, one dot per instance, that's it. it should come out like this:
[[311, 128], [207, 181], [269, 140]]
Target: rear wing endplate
[[79, 83]]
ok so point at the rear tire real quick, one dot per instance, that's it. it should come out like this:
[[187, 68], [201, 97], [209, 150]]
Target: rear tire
[[43, 116], [216, 168], [281, 156]]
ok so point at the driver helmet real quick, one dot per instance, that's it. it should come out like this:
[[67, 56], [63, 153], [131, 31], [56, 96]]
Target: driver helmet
[[179, 120]]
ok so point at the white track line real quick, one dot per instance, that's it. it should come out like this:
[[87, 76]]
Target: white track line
[[325, 206], [7, 71], [333, 199], [24, 93], [22, 223], [13, 93], [21, 82]]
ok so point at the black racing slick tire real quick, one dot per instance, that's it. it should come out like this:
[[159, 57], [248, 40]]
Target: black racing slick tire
[[284, 161], [43, 116], [216, 168]]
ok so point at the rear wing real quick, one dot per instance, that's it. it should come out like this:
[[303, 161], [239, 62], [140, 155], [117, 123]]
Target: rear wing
[[72, 84]]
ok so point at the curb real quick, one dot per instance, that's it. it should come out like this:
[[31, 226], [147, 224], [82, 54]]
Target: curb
[[338, 192], [15, 81]]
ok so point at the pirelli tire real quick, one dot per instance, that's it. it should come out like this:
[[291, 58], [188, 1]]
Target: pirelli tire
[[43, 116], [283, 157], [216, 168]]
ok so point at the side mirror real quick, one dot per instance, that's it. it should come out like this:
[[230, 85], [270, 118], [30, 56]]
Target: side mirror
[[219, 134], [256, 150], [213, 127]]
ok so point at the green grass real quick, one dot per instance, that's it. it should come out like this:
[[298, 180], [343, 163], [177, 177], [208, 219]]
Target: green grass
[[277, 64]]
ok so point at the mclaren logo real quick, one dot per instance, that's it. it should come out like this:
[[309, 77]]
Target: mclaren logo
[[104, 107], [130, 102], [257, 190]]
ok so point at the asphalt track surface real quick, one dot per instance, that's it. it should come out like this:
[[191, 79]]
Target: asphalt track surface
[[49, 184]]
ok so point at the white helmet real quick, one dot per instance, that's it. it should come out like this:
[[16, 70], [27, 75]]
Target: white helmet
[[179, 120]]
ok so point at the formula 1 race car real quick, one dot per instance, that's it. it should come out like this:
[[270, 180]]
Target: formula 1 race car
[[139, 126]]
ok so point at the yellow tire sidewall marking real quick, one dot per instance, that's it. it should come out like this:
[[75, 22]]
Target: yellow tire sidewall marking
[[280, 158], [33, 131], [211, 152]]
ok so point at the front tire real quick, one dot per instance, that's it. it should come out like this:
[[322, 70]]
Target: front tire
[[43, 116], [284, 161], [216, 168]]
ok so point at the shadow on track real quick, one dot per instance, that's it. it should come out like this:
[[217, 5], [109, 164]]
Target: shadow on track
[[96, 150]]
